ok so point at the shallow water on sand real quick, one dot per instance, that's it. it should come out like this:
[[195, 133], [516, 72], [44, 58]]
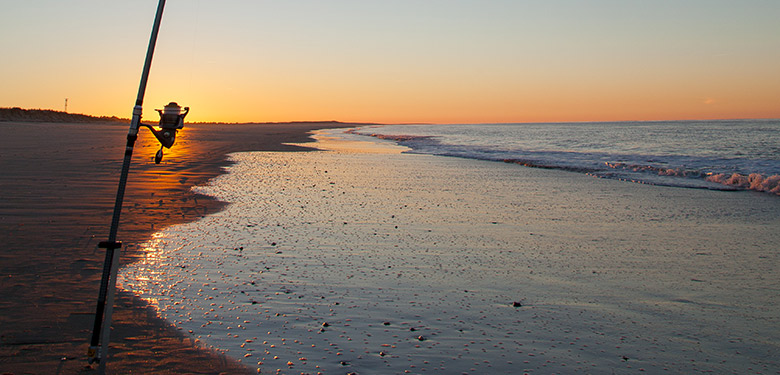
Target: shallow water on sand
[[380, 262]]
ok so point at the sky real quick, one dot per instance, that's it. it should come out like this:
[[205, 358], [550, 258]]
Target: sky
[[400, 61]]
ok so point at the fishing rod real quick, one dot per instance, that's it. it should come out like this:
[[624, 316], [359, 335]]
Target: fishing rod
[[171, 120]]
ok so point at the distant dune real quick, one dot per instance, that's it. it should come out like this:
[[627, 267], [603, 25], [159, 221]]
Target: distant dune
[[46, 115], [17, 114]]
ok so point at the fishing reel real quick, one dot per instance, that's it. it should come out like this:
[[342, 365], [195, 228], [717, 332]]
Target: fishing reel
[[171, 120]]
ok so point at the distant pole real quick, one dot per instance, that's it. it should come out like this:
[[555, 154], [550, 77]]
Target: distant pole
[[105, 305], [66, 105]]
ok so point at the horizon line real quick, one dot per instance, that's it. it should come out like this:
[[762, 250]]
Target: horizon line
[[123, 119]]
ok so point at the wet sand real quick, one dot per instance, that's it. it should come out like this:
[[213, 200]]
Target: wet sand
[[57, 189], [366, 260]]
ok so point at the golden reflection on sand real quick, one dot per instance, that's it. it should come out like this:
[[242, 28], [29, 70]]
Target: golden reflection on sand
[[158, 194], [148, 271], [180, 149]]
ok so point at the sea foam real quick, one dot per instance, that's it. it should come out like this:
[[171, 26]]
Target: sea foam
[[753, 181], [677, 154]]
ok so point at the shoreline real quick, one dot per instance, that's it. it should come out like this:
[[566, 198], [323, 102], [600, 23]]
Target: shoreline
[[57, 190], [349, 258]]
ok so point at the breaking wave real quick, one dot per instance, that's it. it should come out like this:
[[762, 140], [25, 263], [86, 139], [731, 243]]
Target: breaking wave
[[703, 171], [753, 181]]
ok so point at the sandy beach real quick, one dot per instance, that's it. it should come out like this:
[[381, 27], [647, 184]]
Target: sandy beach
[[57, 189], [367, 260]]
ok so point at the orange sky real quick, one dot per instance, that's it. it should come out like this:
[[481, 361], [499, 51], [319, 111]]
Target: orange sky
[[401, 61]]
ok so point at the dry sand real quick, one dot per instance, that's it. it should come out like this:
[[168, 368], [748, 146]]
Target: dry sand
[[57, 188]]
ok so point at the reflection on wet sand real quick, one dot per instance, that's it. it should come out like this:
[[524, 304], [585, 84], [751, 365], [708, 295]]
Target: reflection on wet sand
[[382, 262]]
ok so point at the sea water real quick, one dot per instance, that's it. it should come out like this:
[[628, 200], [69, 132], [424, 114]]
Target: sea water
[[726, 154], [377, 258]]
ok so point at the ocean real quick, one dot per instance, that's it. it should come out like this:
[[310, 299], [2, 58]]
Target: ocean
[[723, 155], [527, 248]]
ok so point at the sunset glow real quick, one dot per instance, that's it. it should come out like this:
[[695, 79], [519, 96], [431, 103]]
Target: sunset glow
[[401, 61]]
